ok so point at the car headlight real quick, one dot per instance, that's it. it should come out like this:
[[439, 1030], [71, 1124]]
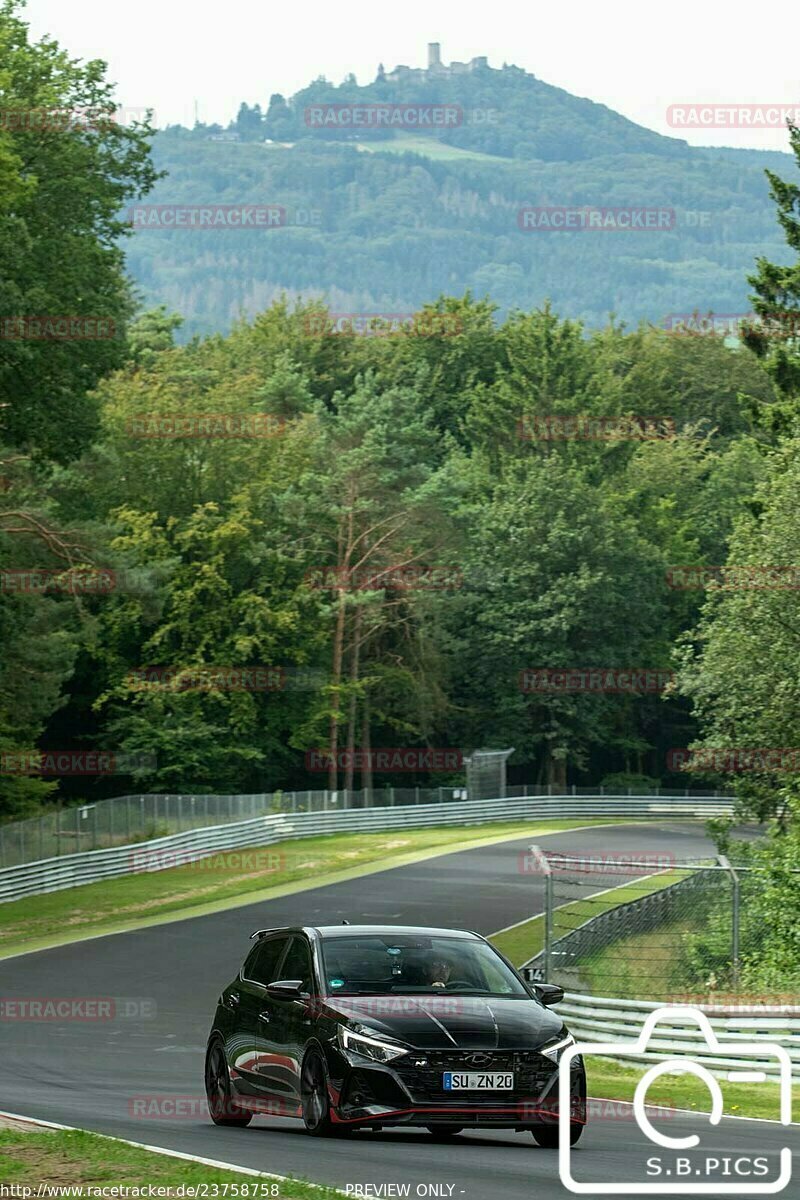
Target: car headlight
[[370, 1045], [554, 1050]]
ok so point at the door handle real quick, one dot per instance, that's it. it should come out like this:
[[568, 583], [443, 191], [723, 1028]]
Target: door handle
[[265, 1016]]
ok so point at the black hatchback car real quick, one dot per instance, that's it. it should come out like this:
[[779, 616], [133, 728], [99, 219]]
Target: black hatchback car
[[352, 1026]]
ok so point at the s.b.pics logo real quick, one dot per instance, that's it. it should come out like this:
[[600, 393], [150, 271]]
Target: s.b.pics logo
[[680, 1161]]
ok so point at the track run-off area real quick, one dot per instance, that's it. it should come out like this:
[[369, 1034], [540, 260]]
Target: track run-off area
[[165, 980]]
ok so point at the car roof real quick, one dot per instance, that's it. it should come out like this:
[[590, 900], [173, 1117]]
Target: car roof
[[334, 931]]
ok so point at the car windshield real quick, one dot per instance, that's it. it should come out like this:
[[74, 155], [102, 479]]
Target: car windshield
[[413, 964]]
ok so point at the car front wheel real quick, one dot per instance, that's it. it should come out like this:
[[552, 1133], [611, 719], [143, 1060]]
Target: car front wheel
[[314, 1099]]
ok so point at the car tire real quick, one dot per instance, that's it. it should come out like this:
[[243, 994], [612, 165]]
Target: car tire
[[221, 1107], [547, 1135], [443, 1133], [314, 1099]]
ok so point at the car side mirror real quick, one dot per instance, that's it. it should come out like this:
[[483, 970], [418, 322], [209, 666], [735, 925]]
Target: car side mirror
[[286, 989], [549, 993]]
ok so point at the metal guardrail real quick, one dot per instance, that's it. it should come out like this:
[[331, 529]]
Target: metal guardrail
[[120, 820], [55, 874], [602, 1019]]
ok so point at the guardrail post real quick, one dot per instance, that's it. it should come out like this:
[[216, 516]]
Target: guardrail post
[[735, 910], [544, 866]]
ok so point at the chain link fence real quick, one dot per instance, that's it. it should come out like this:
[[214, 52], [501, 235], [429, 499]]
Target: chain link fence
[[646, 926], [126, 820]]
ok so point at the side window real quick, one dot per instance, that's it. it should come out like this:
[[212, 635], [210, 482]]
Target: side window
[[297, 964], [261, 962]]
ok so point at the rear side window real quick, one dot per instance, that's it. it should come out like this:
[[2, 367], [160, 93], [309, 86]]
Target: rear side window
[[261, 963]]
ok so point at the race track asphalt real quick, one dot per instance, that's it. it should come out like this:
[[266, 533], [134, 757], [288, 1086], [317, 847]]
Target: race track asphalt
[[90, 1073]]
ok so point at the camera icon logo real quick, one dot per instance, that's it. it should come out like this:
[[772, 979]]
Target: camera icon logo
[[691, 1064]]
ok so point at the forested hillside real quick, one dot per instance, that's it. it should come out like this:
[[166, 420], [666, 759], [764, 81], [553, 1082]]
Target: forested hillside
[[384, 219]]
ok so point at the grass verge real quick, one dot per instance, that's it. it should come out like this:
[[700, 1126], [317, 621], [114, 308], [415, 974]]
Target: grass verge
[[645, 966], [236, 877], [616, 1082], [71, 1158]]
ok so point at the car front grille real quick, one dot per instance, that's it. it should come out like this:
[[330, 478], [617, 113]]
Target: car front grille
[[422, 1073]]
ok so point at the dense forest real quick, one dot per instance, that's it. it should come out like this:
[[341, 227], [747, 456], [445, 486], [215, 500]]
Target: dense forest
[[385, 220], [408, 536]]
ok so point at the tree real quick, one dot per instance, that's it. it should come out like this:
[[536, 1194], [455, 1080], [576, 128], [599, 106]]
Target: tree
[[777, 301], [67, 168]]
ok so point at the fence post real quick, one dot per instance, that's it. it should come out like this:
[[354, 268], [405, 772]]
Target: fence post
[[544, 867], [41, 837], [735, 907]]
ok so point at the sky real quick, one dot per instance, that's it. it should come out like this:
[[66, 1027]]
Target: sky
[[637, 58]]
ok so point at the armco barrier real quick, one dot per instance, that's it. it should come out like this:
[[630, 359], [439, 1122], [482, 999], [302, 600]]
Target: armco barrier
[[55, 874], [600, 1019]]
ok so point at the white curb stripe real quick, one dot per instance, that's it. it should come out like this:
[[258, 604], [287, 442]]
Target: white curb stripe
[[196, 1158]]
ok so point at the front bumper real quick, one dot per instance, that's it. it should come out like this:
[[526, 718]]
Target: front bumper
[[412, 1092]]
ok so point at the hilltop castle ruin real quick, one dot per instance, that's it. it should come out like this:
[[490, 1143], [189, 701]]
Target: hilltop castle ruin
[[436, 67]]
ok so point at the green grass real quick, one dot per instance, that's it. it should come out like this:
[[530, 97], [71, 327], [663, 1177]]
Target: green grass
[[431, 147], [645, 966], [610, 1079], [523, 941], [75, 1158], [235, 878]]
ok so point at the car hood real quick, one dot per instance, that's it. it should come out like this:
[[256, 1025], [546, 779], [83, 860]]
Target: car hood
[[441, 1022]]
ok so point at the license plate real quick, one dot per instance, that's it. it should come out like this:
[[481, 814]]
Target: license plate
[[476, 1081]]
